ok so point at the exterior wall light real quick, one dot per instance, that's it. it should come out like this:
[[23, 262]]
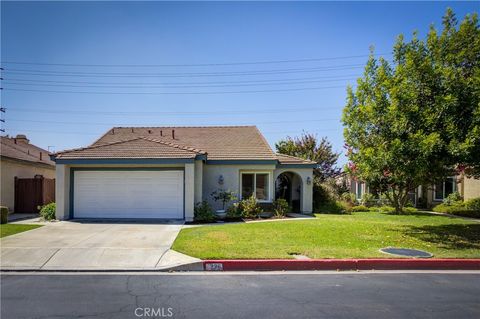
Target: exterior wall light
[[309, 180], [220, 180]]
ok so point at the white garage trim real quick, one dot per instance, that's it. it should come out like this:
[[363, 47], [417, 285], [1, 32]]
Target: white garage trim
[[129, 193]]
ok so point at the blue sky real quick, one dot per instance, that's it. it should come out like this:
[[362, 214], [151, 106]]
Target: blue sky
[[188, 53]]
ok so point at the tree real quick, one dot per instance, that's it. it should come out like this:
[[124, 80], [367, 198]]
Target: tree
[[415, 120], [307, 146]]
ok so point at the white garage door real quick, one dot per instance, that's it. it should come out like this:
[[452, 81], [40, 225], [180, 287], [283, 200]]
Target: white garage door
[[128, 194]]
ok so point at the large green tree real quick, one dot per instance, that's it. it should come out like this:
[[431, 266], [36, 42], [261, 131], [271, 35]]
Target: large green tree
[[308, 146], [413, 120]]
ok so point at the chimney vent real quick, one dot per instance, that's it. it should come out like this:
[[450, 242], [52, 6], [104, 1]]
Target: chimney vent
[[173, 134], [149, 131], [21, 138], [40, 155], [132, 129], [161, 133], [113, 131]]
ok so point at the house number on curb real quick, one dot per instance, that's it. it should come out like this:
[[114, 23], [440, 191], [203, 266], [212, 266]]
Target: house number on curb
[[214, 266]]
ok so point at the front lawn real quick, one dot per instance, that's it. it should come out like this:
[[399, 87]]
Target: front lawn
[[359, 235], [11, 229]]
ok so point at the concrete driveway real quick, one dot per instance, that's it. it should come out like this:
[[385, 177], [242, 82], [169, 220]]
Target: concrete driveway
[[75, 245]]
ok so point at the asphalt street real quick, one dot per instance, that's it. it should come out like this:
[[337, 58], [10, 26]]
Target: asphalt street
[[253, 295]]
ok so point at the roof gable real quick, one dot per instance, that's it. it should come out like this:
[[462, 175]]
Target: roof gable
[[137, 147]]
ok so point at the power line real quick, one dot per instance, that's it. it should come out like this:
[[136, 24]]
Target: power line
[[185, 83], [99, 134], [197, 74], [175, 86], [179, 93], [143, 124], [198, 64], [43, 109]]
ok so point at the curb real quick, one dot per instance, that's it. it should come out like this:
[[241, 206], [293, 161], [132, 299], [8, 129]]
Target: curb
[[341, 264]]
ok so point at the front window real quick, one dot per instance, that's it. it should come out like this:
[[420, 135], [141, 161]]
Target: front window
[[257, 184], [445, 188]]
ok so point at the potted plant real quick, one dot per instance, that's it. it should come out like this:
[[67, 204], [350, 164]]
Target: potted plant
[[224, 196]]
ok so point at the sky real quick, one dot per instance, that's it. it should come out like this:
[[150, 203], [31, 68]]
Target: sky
[[74, 70]]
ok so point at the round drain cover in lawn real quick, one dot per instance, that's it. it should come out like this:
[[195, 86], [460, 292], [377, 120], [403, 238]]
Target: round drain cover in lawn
[[406, 252]]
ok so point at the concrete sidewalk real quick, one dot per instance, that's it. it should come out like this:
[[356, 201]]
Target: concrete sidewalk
[[76, 246]]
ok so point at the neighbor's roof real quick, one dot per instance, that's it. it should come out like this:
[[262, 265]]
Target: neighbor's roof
[[288, 160], [136, 147], [13, 149], [218, 142]]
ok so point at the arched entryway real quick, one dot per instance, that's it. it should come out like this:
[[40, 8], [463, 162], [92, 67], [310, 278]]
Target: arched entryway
[[288, 186]]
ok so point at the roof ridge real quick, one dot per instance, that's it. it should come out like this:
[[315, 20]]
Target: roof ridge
[[182, 147], [96, 146], [180, 126]]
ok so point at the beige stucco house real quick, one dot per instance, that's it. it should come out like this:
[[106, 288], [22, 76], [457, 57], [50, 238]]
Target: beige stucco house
[[21, 159], [162, 172], [427, 196]]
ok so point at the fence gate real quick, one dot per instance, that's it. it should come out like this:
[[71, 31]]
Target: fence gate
[[33, 192]]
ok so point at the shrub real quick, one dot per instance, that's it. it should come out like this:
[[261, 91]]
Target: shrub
[[359, 208], [382, 209], [3, 215], [47, 212], [234, 211], [250, 207], [453, 199], [410, 210], [203, 212], [368, 200], [349, 198], [473, 204], [334, 207], [223, 196], [281, 207]]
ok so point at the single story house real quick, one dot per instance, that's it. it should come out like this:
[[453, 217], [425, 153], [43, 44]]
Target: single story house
[[19, 159], [162, 172], [427, 196]]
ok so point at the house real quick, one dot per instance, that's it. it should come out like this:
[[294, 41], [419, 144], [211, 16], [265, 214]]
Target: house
[[162, 172], [19, 159], [427, 196]]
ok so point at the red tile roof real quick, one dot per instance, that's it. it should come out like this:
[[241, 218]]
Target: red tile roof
[[288, 159], [18, 149], [137, 147], [219, 142]]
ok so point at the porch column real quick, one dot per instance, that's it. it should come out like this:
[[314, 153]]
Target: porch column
[[62, 191], [189, 191], [307, 196], [198, 180]]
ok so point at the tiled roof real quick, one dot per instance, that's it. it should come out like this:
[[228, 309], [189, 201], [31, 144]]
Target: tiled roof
[[136, 147], [219, 142], [288, 159], [16, 149]]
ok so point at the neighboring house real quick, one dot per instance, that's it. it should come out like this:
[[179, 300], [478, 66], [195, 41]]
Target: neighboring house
[[427, 196], [20, 159], [162, 172]]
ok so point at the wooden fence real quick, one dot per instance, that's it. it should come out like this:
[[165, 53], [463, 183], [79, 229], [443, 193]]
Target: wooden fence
[[33, 192]]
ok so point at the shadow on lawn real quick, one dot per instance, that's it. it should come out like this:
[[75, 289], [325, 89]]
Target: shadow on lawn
[[448, 236]]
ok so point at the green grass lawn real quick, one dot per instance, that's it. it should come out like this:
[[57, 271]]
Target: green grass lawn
[[11, 229], [359, 235]]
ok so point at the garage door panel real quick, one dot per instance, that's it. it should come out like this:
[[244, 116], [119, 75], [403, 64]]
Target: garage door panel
[[128, 194]]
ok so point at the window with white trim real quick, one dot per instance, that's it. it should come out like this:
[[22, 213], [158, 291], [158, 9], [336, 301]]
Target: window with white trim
[[442, 189], [257, 184]]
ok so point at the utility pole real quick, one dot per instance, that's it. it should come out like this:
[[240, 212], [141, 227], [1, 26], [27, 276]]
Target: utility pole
[[2, 120]]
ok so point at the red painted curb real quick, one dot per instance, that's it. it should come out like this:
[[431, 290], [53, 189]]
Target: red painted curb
[[341, 264]]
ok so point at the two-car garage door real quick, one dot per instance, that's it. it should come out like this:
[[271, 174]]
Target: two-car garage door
[[128, 194]]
